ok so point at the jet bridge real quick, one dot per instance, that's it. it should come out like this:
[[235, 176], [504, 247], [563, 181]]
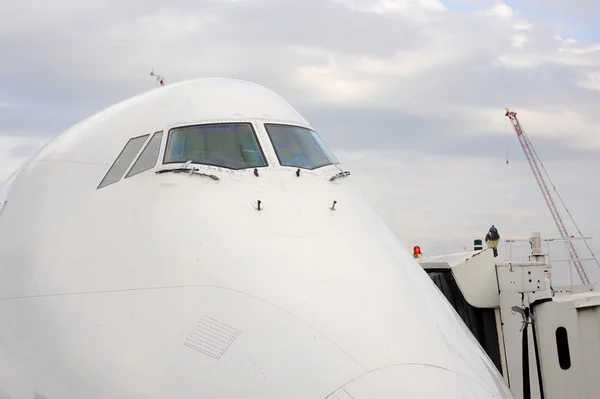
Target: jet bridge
[[512, 308], [468, 280]]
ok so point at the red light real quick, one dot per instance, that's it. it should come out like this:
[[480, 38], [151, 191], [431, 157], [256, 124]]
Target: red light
[[416, 251]]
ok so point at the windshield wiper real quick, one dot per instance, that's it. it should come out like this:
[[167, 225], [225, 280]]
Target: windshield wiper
[[339, 175], [189, 168], [189, 171]]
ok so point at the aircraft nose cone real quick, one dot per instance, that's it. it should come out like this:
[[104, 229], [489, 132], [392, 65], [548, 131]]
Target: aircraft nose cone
[[416, 381]]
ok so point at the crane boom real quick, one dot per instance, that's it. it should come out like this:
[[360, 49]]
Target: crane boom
[[529, 154]]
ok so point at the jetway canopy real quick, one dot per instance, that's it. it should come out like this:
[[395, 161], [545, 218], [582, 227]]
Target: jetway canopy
[[474, 272]]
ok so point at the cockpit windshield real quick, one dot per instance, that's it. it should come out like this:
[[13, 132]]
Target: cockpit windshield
[[299, 147], [228, 145]]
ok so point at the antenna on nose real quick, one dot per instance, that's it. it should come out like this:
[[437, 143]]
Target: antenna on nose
[[159, 79]]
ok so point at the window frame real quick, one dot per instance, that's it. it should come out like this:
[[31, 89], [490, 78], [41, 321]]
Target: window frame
[[267, 124], [252, 129], [563, 351]]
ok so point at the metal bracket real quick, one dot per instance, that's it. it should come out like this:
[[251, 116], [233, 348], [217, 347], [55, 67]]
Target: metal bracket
[[528, 318]]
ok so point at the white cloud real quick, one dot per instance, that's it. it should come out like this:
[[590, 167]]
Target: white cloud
[[500, 10], [518, 40], [591, 81], [414, 7], [522, 25], [362, 79]]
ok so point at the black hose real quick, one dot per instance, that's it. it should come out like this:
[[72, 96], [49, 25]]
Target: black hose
[[525, 355], [537, 360]]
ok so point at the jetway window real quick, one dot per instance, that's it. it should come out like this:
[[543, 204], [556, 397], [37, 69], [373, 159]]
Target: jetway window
[[299, 147], [562, 347], [148, 157], [227, 145], [127, 155]]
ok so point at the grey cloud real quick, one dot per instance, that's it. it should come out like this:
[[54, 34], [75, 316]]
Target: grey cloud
[[586, 9], [41, 119], [23, 150], [67, 61], [498, 87], [333, 26], [372, 129], [242, 37]]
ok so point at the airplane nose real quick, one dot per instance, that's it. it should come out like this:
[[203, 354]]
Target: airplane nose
[[206, 342], [415, 381]]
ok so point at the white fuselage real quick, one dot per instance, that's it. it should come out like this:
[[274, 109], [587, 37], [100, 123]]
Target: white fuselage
[[176, 285]]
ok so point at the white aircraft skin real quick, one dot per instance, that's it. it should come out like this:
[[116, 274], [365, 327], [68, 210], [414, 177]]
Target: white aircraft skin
[[175, 285]]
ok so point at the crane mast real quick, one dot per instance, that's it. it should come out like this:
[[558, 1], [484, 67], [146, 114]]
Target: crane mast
[[529, 154]]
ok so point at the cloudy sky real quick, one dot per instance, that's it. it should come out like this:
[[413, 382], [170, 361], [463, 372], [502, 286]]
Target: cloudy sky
[[410, 94]]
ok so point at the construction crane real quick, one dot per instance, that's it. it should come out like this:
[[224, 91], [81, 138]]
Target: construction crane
[[533, 159]]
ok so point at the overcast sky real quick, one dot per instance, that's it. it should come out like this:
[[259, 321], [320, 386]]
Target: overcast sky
[[410, 94]]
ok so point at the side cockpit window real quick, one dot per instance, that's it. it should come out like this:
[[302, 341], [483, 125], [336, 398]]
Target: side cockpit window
[[299, 147], [227, 145], [127, 155], [146, 160], [148, 157]]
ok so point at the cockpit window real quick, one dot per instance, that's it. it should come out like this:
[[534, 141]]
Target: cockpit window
[[148, 157], [123, 161], [299, 147], [228, 145]]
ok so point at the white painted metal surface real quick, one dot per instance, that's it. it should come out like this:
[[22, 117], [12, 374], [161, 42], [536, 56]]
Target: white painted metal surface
[[176, 285], [475, 274], [570, 363]]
